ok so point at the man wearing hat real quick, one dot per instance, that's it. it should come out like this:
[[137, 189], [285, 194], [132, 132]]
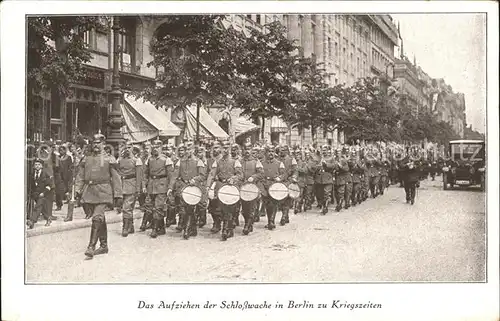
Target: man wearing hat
[[201, 208], [348, 184], [341, 179], [252, 173], [290, 177], [301, 181], [226, 171], [130, 169], [311, 164], [356, 167], [46, 154], [174, 199], [40, 186], [274, 171], [188, 171], [213, 204], [63, 175], [157, 178], [97, 183], [324, 178], [373, 174]]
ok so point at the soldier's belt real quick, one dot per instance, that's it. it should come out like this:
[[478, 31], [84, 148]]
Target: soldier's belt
[[128, 176], [96, 182], [157, 176]]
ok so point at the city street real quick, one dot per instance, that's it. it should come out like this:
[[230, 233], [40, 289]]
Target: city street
[[440, 238]]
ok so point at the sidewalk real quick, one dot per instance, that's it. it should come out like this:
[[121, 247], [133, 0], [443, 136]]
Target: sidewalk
[[78, 221]]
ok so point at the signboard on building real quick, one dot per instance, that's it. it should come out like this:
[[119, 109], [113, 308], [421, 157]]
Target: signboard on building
[[91, 77]]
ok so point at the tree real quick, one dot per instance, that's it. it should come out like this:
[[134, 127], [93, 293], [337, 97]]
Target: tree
[[57, 51], [270, 70]]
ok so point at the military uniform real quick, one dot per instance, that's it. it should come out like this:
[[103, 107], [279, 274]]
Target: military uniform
[[357, 171], [252, 172], [274, 171], [373, 175], [384, 172], [341, 178], [348, 184], [97, 183], [157, 176], [325, 178], [188, 171], [130, 169], [213, 204], [411, 175], [311, 164], [226, 171], [300, 202], [201, 208], [290, 177]]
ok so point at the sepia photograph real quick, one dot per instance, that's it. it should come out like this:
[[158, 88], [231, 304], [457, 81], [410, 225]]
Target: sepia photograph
[[253, 160], [351, 146]]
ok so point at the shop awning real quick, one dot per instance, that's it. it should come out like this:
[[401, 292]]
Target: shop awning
[[243, 126], [208, 127], [278, 125], [144, 122]]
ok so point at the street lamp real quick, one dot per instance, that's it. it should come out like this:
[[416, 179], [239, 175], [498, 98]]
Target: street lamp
[[115, 119]]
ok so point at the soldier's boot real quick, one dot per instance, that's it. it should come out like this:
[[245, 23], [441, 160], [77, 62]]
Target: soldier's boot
[[131, 226], [236, 219], [170, 217], [202, 218], [346, 205], [216, 226], [246, 228], [161, 226], [103, 239], [94, 230], [224, 230], [125, 227], [230, 228], [339, 205], [193, 229], [256, 217], [270, 220], [186, 227], [154, 229], [325, 207], [284, 217], [180, 224], [142, 228]]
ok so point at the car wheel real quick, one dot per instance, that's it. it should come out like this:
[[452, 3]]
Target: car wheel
[[445, 182]]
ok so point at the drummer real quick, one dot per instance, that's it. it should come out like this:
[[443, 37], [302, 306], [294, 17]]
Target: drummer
[[302, 173], [252, 173], [274, 171], [259, 207], [213, 206], [225, 170], [172, 207], [175, 199], [236, 154], [201, 208], [290, 177], [188, 171]]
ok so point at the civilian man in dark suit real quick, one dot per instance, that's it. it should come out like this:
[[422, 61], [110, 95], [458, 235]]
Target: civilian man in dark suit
[[41, 186], [411, 175]]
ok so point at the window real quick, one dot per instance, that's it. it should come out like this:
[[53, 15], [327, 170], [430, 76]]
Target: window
[[249, 16], [101, 41], [336, 50], [329, 48], [336, 81], [258, 19]]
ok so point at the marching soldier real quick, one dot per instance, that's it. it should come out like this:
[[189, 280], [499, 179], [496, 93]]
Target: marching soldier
[[174, 199], [341, 177], [348, 183], [260, 209], [252, 172], [225, 171], [158, 175], [357, 171], [384, 172], [300, 202], [325, 178], [236, 154], [274, 171], [96, 184], [201, 208], [290, 177], [130, 170], [372, 174], [213, 204], [311, 164], [188, 170]]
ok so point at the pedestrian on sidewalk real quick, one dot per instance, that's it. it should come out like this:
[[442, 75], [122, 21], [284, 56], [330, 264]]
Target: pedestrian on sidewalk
[[41, 186], [97, 183]]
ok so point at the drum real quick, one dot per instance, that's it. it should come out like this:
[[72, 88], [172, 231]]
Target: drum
[[191, 195], [278, 191], [294, 191], [228, 194], [249, 192], [211, 191]]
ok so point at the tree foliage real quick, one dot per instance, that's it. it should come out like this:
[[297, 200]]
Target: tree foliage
[[57, 51]]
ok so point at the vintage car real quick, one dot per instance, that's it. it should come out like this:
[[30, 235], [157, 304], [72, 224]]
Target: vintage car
[[466, 164]]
